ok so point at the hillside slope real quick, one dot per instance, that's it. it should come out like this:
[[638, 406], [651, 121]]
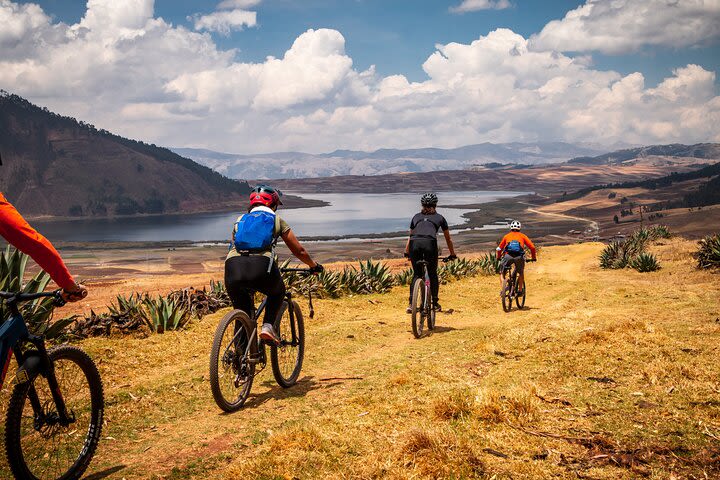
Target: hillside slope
[[606, 375], [55, 165]]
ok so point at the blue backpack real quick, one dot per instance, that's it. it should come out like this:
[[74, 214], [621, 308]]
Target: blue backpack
[[514, 248], [255, 232]]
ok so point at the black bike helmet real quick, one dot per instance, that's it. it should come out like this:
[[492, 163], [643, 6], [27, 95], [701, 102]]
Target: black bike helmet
[[428, 200]]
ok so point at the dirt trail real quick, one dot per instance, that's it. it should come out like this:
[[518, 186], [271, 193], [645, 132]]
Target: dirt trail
[[581, 322], [590, 232]]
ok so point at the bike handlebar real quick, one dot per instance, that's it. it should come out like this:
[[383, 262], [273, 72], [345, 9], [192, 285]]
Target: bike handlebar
[[26, 297], [296, 270], [444, 259]]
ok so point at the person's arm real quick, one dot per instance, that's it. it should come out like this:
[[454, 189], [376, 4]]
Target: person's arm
[[20, 234], [297, 249], [501, 246], [449, 242], [533, 250]]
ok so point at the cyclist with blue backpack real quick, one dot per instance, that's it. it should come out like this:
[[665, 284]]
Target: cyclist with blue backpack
[[251, 266], [512, 250]]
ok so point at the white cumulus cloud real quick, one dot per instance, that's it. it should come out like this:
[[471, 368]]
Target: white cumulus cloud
[[131, 72], [475, 5], [225, 21], [621, 26], [233, 4]]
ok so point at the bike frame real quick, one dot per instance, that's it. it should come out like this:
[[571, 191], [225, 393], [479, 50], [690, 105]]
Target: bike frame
[[260, 357], [15, 332], [428, 293]]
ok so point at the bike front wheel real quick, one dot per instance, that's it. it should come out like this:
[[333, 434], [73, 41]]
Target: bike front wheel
[[37, 444], [418, 308], [287, 358], [231, 371]]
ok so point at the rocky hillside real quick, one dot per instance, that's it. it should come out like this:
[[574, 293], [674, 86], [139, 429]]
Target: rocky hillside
[[55, 165]]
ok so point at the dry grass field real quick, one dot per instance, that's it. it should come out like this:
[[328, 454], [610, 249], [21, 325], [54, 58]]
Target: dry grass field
[[604, 375]]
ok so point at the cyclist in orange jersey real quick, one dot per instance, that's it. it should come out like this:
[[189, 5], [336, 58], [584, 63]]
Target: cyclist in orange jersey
[[512, 250], [20, 234]]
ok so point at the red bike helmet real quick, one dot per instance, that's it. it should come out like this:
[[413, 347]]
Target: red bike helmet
[[265, 195]]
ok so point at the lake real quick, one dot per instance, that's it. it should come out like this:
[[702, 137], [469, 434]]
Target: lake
[[347, 214]]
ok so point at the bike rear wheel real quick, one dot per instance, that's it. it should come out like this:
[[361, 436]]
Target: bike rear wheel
[[520, 299], [39, 447], [231, 372], [507, 289], [418, 308], [287, 358]]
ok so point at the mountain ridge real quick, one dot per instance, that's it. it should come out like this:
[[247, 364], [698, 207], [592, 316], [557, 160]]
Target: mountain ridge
[[383, 160]]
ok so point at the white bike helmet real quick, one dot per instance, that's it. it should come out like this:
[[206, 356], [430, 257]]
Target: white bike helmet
[[515, 225]]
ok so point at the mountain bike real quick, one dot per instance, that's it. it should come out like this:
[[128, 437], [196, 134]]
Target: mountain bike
[[423, 312], [55, 415], [238, 354], [511, 290]]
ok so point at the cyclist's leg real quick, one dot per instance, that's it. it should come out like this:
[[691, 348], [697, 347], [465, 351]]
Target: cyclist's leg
[[415, 257], [236, 283], [273, 286], [520, 267], [432, 271], [503, 270]]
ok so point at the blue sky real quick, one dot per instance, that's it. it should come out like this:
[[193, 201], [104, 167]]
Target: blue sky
[[397, 36], [190, 73]]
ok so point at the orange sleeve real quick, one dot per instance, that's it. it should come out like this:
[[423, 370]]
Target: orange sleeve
[[530, 245], [20, 234], [503, 244]]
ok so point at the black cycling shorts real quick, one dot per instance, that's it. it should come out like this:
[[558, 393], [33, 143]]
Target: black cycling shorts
[[508, 260]]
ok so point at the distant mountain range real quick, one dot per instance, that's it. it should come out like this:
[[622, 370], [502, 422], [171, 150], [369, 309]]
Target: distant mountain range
[[55, 165], [700, 150], [383, 161]]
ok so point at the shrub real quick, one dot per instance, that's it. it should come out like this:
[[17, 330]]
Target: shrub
[[645, 262], [163, 314], [659, 231], [708, 252], [405, 277], [617, 255], [489, 264]]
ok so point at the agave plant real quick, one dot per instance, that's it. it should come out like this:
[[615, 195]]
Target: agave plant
[[163, 314], [217, 290], [708, 252], [376, 276], [645, 262], [38, 313], [611, 254], [659, 231], [126, 306], [489, 264], [404, 277], [352, 280], [330, 284]]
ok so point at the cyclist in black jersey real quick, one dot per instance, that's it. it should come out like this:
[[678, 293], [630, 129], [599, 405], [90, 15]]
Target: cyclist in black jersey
[[422, 244]]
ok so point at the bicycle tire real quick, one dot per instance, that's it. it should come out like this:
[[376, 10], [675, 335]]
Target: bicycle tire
[[231, 364], [506, 294], [520, 300], [276, 352], [418, 307], [18, 457], [431, 319]]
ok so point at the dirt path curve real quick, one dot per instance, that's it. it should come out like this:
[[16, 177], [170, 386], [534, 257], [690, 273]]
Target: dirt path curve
[[592, 231]]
